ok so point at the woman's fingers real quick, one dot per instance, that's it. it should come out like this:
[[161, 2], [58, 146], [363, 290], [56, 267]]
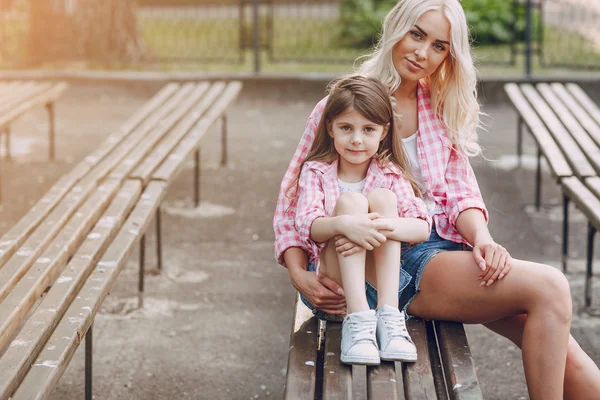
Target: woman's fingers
[[500, 263]]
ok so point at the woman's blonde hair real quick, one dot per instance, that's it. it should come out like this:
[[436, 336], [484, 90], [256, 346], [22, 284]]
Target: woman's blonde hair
[[452, 86], [370, 98]]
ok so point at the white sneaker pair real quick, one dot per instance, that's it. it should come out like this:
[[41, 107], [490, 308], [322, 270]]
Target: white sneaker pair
[[361, 331]]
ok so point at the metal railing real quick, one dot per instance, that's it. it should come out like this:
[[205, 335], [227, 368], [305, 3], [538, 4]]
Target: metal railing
[[251, 34]]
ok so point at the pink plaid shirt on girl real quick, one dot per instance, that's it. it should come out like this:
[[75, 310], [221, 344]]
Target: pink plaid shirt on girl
[[448, 175], [318, 192]]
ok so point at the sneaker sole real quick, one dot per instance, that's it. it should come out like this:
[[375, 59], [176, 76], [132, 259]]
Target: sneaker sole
[[360, 360], [403, 357]]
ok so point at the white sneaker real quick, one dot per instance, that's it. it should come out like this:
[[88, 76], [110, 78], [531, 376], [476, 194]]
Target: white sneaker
[[359, 344], [394, 341]]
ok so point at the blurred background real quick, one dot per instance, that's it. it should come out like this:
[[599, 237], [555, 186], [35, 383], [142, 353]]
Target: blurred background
[[278, 36]]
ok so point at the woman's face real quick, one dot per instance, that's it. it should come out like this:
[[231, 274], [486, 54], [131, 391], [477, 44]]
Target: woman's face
[[423, 49]]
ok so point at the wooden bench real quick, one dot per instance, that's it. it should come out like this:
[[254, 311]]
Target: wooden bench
[[16, 98], [444, 368], [60, 261], [565, 124]]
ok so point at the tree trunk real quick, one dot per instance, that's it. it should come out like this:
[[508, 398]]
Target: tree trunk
[[88, 30]]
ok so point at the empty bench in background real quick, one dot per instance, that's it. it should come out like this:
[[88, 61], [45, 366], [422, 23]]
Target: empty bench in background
[[73, 244], [444, 368], [565, 124]]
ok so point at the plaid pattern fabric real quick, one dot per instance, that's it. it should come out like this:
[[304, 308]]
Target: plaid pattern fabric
[[447, 173], [318, 192]]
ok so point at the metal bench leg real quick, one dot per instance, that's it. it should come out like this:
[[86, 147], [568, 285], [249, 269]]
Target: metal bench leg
[[197, 178], [141, 276], [88, 363], [158, 240], [519, 140], [590, 258], [50, 108], [223, 140], [565, 249], [7, 143], [538, 180]]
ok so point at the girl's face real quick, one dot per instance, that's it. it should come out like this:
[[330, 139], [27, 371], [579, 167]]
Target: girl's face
[[356, 139], [423, 49]]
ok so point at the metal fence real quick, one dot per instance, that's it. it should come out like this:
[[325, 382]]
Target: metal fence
[[252, 34]]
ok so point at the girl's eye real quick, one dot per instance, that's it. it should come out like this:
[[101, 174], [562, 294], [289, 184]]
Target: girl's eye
[[369, 129], [346, 128]]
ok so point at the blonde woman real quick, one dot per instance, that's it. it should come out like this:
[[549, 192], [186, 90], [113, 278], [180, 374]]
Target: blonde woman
[[460, 273]]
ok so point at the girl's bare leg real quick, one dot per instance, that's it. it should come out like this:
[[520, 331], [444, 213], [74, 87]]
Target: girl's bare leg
[[582, 376], [450, 291], [386, 258], [349, 271]]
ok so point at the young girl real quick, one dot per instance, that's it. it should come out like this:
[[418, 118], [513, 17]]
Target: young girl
[[353, 183]]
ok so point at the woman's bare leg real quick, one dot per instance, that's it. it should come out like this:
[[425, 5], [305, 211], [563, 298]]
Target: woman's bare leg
[[350, 269], [386, 258], [582, 376], [450, 291]]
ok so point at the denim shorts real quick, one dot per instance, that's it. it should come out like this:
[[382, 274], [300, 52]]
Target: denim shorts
[[415, 258]]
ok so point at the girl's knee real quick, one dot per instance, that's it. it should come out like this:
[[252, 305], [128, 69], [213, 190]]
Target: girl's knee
[[381, 198], [351, 202]]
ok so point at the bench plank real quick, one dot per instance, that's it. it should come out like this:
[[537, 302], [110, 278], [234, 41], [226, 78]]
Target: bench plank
[[53, 360], [301, 374], [583, 117], [381, 381], [585, 142], [35, 332], [143, 148], [575, 157], [50, 264], [459, 367], [557, 162], [20, 93], [584, 199], [337, 377], [173, 164], [593, 184], [417, 376], [585, 101]]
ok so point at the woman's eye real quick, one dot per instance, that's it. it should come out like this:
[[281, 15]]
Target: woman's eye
[[416, 34], [439, 47]]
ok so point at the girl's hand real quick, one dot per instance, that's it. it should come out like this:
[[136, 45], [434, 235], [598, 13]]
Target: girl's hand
[[493, 260], [364, 230]]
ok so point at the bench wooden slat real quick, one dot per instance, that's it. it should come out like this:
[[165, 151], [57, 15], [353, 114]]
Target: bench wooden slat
[[21, 93], [584, 199], [459, 367], [381, 381], [586, 144], [35, 332], [417, 376], [105, 167], [575, 157], [52, 361], [583, 117], [45, 97], [585, 101], [302, 358], [557, 162], [146, 112], [133, 159], [156, 157], [337, 377], [50, 264], [173, 164], [36, 243], [593, 184], [16, 236]]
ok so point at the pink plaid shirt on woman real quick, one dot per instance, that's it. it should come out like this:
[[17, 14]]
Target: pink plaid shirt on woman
[[318, 192], [447, 174]]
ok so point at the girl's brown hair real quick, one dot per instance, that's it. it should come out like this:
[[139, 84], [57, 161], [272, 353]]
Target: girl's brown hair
[[371, 99]]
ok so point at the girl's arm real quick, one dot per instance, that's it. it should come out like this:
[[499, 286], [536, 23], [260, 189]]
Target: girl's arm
[[411, 230], [414, 222], [286, 235]]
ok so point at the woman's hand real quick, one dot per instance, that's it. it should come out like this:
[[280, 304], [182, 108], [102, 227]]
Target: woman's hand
[[320, 291], [493, 260], [365, 231]]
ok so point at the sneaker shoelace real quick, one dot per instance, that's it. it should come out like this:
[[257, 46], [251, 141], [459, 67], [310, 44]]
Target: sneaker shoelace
[[362, 331], [396, 325]]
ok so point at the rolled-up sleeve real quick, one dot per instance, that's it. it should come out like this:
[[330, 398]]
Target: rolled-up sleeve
[[462, 188], [286, 235], [409, 205]]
